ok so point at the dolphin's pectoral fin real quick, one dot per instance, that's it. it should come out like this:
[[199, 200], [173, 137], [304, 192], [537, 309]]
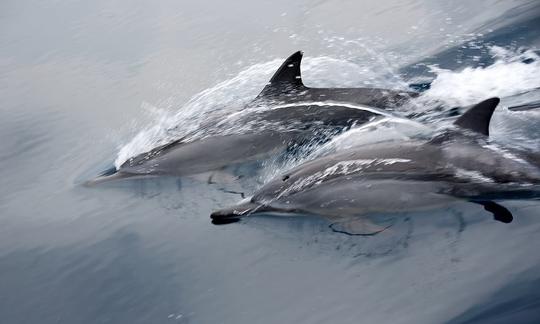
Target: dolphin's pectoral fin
[[358, 227], [500, 213]]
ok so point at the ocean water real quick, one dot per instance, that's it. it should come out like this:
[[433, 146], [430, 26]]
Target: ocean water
[[86, 85]]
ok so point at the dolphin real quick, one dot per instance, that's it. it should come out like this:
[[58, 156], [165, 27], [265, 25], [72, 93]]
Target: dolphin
[[458, 163], [298, 114]]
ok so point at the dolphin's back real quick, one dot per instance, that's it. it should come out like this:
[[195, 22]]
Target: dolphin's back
[[301, 116], [286, 86], [373, 97]]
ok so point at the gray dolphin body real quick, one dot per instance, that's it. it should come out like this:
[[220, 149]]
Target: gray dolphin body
[[299, 113], [403, 176]]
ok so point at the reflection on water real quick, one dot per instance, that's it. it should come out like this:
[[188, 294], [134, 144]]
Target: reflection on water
[[78, 80]]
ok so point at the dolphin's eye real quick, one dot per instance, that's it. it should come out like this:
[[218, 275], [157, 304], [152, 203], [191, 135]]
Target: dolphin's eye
[[285, 177]]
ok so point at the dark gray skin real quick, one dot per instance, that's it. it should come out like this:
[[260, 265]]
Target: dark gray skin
[[286, 86], [299, 114], [403, 176]]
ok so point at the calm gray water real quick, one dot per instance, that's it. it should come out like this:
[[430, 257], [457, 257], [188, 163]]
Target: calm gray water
[[83, 83]]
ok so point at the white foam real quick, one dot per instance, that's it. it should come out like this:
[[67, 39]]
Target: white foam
[[509, 75], [472, 175]]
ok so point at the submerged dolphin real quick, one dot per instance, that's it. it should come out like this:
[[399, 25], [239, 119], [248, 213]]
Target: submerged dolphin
[[298, 114], [458, 163]]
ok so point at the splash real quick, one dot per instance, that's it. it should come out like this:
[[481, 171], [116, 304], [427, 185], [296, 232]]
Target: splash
[[225, 102], [222, 100], [512, 73]]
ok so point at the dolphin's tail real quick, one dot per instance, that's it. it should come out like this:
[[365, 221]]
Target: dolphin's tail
[[235, 213], [108, 175]]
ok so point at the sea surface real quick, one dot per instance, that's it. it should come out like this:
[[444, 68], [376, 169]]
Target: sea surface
[[84, 85]]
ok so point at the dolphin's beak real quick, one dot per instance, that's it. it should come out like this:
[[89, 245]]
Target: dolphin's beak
[[234, 213], [109, 175]]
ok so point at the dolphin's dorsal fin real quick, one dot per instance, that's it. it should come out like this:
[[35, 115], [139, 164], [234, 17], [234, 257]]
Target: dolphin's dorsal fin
[[289, 71], [477, 118], [287, 77]]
